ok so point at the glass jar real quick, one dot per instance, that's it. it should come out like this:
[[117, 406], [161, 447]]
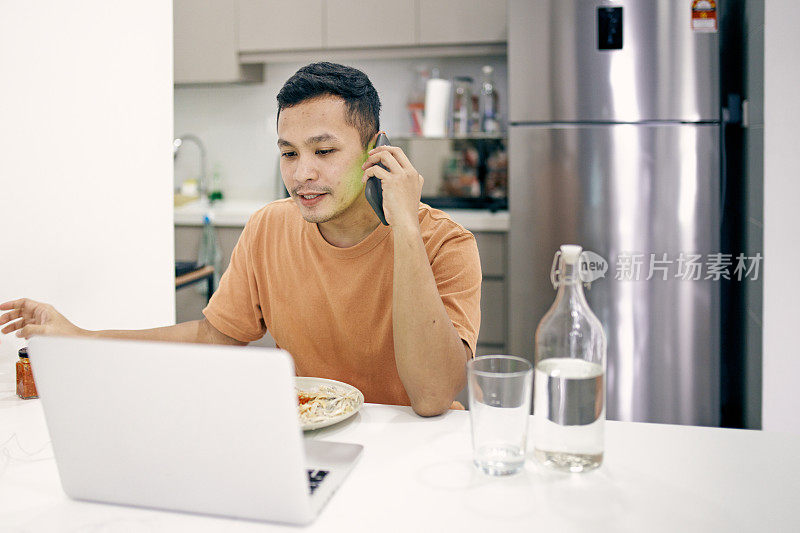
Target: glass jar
[[26, 388]]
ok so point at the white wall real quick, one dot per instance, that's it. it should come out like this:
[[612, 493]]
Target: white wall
[[86, 162], [781, 401], [237, 123]]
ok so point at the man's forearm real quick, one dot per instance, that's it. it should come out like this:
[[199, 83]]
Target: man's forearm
[[429, 353], [198, 331]]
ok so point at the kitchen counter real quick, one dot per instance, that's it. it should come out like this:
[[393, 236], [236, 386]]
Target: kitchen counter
[[416, 474], [225, 213], [235, 213]]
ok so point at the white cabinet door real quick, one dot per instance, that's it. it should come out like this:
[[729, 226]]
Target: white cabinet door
[[492, 249], [493, 305], [356, 24], [205, 41], [462, 21], [270, 25]]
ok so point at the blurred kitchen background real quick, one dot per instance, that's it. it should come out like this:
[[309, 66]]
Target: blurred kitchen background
[[232, 56], [231, 59]]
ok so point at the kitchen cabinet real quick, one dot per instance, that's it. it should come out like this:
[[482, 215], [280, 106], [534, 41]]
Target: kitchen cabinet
[[187, 242], [278, 31], [272, 25], [493, 252], [205, 47], [228, 41], [190, 301], [354, 24], [492, 311], [462, 21]]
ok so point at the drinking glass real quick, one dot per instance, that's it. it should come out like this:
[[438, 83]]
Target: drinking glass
[[499, 407]]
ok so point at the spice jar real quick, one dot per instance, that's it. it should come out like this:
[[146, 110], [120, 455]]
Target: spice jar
[[26, 388]]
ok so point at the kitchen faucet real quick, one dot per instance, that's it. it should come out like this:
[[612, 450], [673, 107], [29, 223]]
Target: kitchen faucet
[[176, 146]]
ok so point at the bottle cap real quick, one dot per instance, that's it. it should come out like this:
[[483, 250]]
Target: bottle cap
[[571, 253], [23, 353]]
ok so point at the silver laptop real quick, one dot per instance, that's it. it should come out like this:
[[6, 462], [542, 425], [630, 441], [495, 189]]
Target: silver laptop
[[185, 427]]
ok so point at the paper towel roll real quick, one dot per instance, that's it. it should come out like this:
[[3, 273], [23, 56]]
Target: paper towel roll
[[437, 106]]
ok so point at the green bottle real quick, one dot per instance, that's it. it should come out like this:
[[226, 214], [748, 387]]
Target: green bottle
[[215, 193]]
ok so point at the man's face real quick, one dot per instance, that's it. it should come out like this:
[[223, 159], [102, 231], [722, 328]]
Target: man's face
[[321, 158]]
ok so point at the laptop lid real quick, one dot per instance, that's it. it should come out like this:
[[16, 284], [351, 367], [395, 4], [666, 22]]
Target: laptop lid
[[189, 427]]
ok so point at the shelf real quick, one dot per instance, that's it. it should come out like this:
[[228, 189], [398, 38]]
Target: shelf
[[470, 137], [490, 204]]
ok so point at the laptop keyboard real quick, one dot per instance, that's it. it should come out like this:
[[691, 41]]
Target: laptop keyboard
[[315, 477]]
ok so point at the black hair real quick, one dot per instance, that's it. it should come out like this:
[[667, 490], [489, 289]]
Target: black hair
[[353, 86]]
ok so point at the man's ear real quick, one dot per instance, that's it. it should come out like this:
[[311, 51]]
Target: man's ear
[[372, 141]]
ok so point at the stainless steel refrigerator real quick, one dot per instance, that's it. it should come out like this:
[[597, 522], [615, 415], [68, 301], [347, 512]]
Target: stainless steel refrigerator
[[615, 145]]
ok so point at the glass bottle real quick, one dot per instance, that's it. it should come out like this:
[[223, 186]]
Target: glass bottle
[[210, 251], [570, 365], [487, 103], [416, 99], [462, 105], [26, 388]]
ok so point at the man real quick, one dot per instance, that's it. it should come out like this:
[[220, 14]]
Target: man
[[394, 310]]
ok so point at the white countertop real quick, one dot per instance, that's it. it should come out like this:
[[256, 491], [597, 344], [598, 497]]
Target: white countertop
[[416, 475], [236, 213]]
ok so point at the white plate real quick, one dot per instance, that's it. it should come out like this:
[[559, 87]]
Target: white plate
[[308, 384]]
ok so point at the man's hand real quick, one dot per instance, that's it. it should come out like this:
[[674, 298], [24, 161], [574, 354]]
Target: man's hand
[[28, 318], [401, 185]]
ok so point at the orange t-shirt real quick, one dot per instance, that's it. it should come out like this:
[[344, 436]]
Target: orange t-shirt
[[331, 308]]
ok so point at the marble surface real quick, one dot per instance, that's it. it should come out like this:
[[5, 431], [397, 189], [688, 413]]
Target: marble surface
[[416, 474]]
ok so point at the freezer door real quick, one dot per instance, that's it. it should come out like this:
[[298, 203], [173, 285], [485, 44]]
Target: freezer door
[[558, 71], [631, 193]]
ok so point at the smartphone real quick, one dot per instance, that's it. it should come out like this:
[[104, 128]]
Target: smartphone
[[373, 190]]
